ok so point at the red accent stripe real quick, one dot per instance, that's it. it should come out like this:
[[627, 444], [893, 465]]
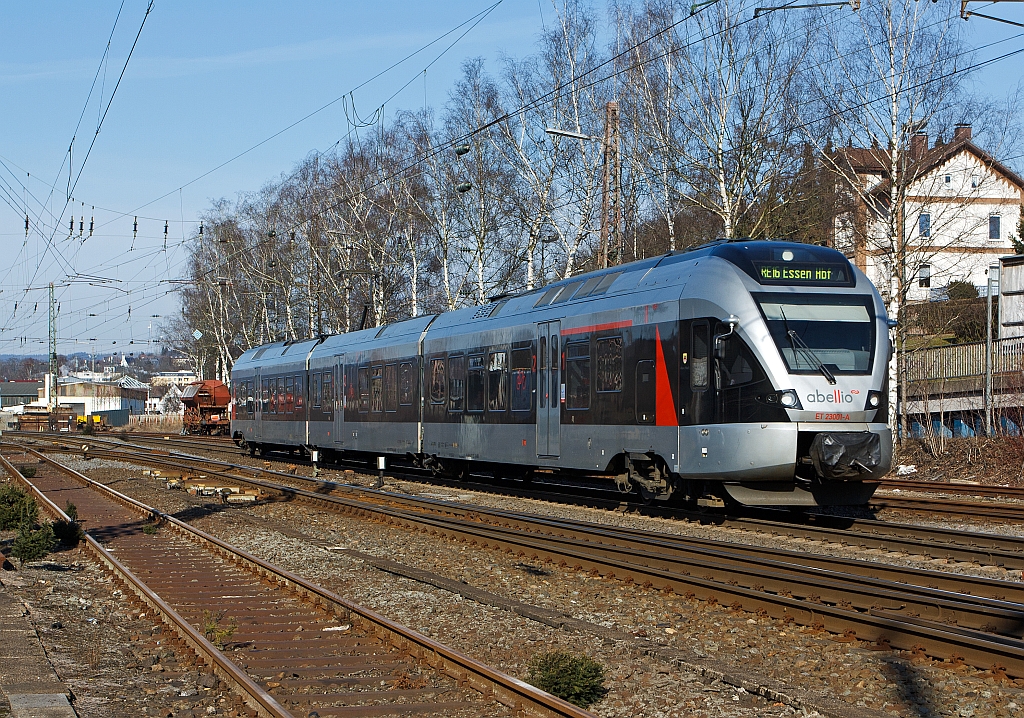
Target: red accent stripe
[[664, 404], [597, 327]]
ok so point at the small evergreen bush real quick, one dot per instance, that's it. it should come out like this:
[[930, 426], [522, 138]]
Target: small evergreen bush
[[68, 533], [29, 472], [33, 543], [577, 679], [16, 508], [71, 510]]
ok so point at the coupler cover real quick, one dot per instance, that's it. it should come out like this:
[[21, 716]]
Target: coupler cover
[[845, 454]]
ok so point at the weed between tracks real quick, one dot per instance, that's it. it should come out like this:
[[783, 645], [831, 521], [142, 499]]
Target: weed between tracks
[[216, 632], [577, 679]]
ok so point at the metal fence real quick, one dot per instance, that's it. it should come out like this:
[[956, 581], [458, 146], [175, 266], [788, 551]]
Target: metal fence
[[965, 360]]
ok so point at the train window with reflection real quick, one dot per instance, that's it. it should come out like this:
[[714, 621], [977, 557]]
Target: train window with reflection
[[609, 364], [475, 383], [542, 353], [522, 379], [391, 387], [328, 398], [300, 396], [816, 330], [438, 381], [377, 388], [577, 371], [363, 382], [317, 389], [456, 383], [289, 396], [250, 404], [264, 397], [497, 381], [282, 400], [406, 384], [273, 396], [699, 355]]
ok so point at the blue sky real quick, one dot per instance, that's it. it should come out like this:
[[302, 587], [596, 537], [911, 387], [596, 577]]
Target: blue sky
[[209, 80]]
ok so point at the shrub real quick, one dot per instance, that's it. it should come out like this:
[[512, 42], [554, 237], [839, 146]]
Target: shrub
[[71, 510], [577, 679], [216, 632], [29, 472], [16, 507], [68, 533], [33, 543], [150, 529]]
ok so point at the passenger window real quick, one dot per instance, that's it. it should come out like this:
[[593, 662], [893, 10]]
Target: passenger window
[[377, 388], [265, 397], [317, 388], [522, 379], [699, 356], [273, 396], [300, 396], [391, 387], [497, 381], [363, 379], [577, 371], [281, 396], [328, 399], [289, 396], [456, 383], [438, 381], [406, 383], [609, 364], [475, 384]]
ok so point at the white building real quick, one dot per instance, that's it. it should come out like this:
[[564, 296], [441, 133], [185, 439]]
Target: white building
[[962, 212], [176, 378]]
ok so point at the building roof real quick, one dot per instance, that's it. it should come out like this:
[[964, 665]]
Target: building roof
[[875, 160]]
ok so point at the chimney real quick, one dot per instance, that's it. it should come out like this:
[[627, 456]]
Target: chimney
[[918, 145], [962, 132]]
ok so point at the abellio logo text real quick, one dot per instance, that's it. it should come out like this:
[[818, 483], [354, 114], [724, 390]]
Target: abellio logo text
[[835, 397]]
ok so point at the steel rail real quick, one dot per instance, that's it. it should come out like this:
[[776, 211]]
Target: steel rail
[[949, 487], [1002, 511], [879, 623], [518, 695]]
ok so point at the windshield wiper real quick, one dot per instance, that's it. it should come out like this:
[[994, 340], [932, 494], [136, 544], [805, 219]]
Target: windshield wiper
[[810, 352], [799, 343]]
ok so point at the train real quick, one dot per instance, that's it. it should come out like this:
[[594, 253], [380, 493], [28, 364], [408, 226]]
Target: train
[[751, 372], [206, 405]]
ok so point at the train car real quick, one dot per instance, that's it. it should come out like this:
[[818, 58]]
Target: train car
[[206, 408], [751, 371]]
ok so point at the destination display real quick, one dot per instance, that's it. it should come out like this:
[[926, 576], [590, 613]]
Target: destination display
[[801, 273]]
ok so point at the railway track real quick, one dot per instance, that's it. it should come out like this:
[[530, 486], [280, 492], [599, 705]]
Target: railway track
[[349, 661], [952, 545], [944, 615]]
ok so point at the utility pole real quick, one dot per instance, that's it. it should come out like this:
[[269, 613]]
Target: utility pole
[[993, 285], [611, 196], [52, 404]]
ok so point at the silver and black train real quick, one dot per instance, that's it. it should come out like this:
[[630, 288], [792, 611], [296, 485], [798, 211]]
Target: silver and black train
[[754, 370]]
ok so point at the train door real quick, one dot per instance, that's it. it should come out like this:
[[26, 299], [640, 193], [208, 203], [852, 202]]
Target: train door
[[339, 397], [548, 388], [257, 391]]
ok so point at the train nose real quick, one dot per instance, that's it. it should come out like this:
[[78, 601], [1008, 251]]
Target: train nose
[[845, 455]]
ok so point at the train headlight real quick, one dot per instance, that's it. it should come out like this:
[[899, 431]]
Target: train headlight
[[874, 400], [789, 399]]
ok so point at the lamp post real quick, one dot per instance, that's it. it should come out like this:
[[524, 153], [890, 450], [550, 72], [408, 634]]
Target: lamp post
[[611, 189]]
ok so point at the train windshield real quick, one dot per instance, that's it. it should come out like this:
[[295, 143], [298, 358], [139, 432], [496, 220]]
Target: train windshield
[[811, 331]]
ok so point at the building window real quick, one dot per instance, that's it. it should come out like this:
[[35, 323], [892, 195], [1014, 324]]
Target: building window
[[993, 227], [975, 181], [949, 179], [924, 225], [924, 275]]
